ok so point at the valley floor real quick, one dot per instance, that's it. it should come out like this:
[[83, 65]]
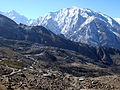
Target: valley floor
[[50, 68]]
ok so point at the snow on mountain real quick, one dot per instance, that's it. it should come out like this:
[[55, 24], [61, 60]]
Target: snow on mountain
[[117, 19], [78, 24], [83, 25], [16, 17]]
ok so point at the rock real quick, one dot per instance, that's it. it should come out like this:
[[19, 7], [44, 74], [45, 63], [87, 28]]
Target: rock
[[81, 79], [94, 82]]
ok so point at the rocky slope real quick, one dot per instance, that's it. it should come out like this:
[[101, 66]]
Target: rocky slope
[[53, 68]]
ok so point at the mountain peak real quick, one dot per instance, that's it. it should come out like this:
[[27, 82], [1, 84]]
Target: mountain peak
[[81, 9], [73, 7], [18, 18], [83, 25], [11, 11]]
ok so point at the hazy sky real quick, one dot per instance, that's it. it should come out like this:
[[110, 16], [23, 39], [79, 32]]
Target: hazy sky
[[35, 8]]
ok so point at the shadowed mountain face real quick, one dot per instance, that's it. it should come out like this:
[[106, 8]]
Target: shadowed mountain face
[[36, 34], [9, 30]]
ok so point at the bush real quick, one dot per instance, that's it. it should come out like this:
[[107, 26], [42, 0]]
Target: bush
[[14, 64]]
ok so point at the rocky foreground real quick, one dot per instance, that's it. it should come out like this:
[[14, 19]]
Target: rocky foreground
[[48, 69], [43, 79]]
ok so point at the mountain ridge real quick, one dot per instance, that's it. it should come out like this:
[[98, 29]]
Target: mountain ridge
[[82, 25], [40, 35], [117, 19], [18, 18]]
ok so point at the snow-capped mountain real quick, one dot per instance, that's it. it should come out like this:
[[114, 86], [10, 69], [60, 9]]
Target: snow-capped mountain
[[83, 25], [78, 24], [16, 17], [117, 19]]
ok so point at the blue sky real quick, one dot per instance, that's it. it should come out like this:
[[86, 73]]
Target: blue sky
[[36, 8]]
